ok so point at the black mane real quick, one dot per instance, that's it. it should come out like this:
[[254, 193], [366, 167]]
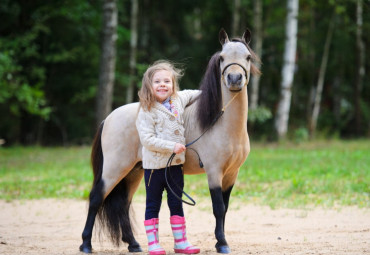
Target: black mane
[[210, 101]]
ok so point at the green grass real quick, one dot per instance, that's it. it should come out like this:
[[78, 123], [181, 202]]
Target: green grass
[[318, 174], [39, 172], [311, 174]]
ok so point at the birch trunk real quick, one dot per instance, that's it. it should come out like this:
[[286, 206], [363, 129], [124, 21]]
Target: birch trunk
[[107, 61], [133, 47], [282, 114], [257, 47], [321, 79], [236, 18], [360, 48]]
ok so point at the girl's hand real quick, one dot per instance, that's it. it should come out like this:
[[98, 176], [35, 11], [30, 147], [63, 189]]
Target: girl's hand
[[179, 148]]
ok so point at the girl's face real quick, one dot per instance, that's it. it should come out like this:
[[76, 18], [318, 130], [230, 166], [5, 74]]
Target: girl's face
[[162, 85]]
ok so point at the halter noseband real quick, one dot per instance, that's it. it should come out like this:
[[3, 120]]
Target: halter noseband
[[245, 71]]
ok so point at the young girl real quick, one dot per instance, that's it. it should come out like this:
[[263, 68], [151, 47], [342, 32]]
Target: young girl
[[161, 130]]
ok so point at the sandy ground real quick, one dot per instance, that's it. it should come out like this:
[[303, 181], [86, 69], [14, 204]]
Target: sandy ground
[[54, 227]]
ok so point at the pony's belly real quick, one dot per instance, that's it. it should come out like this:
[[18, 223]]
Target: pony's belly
[[189, 171], [191, 165]]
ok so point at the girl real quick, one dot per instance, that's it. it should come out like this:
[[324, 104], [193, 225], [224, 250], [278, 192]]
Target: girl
[[161, 130]]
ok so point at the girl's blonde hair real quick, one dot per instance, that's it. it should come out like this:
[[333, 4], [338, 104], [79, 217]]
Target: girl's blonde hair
[[146, 94]]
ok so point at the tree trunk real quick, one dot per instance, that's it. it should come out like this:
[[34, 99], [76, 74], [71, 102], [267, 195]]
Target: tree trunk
[[360, 50], [282, 115], [133, 47], [145, 21], [337, 98], [321, 79], [236, 18], [257, 47], [107, 60], [312, 66]]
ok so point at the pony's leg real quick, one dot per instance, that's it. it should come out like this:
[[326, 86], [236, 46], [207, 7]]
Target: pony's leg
[[226, 198], [134, 179], [96, 199], [219, 211]]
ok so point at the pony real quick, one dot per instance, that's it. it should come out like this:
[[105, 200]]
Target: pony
[[218, 115]]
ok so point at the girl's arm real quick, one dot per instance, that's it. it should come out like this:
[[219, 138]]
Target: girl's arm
[[146, 130], [188, 96]]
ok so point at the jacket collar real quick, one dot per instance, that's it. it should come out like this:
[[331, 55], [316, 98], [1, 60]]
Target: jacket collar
[[162, 108]]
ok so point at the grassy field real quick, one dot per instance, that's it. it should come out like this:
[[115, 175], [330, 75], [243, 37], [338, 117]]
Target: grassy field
[[324, 174]]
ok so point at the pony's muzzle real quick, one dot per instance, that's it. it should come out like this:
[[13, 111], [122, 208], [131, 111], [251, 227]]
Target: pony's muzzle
[[234, 79]]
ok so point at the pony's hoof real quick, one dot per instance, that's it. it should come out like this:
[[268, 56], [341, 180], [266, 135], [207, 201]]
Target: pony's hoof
[[134, 248], [223, 249], [86, 249]]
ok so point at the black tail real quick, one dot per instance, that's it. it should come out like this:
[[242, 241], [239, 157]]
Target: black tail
[[114, 214]]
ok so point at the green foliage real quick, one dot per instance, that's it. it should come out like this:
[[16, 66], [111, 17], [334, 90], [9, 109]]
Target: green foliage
[[50, 50], [48, 68], [15, 82], [301, 135], [261, 114]]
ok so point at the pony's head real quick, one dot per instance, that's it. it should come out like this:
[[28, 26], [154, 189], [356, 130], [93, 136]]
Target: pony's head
[[236, 60], [231, 68]]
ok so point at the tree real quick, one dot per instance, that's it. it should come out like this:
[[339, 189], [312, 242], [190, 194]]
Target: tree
[[50, 52], [236, 18], [360, 52], [48, 62], [257, 47], [321, 79], [282, 115], [133, 47], [107, 60]]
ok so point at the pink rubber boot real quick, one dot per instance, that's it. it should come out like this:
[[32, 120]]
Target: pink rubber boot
[[179, 233], [151, 227]]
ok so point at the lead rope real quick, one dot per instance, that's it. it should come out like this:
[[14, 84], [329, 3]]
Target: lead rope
[[214, 121], [169, 162]]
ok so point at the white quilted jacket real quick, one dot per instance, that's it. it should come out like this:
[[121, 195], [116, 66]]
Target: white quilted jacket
[[159, 130]]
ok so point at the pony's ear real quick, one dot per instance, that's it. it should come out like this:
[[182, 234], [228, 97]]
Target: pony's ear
[[222, 36], [247, 36]]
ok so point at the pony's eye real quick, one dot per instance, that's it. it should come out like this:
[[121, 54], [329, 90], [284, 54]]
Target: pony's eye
[[221, 58], [249, 58]]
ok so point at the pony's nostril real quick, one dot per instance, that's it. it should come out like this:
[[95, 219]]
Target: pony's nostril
[[239, 78], [229, 78]]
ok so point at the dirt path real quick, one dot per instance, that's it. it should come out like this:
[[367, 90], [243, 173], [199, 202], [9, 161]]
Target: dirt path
[[54, 227]]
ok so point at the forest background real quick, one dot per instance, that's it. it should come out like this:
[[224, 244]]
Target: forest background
[[65, 64]]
